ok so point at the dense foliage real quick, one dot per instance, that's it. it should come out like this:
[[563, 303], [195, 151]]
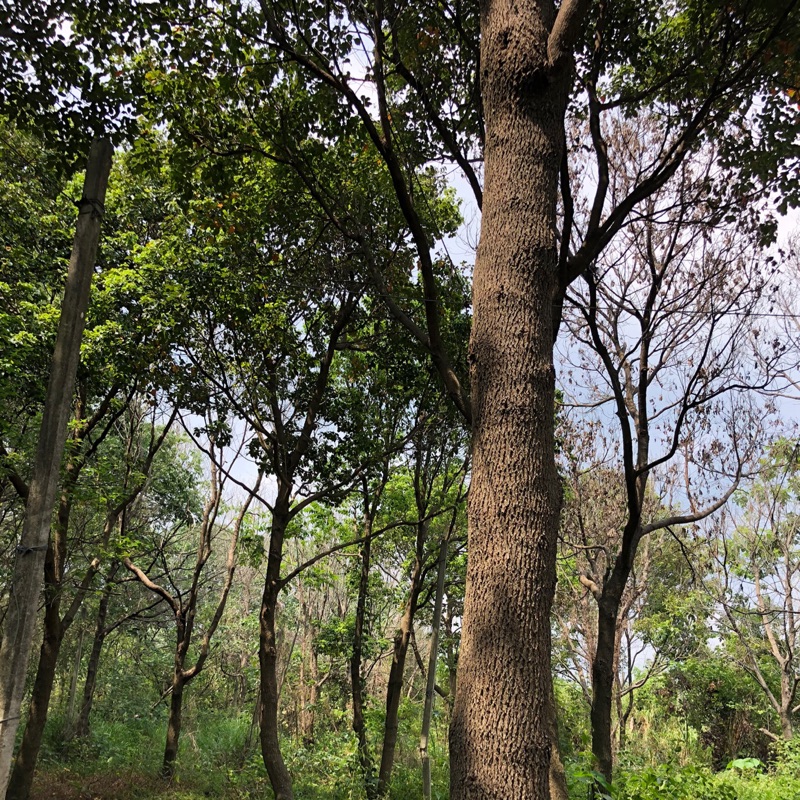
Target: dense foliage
[[257, 568]]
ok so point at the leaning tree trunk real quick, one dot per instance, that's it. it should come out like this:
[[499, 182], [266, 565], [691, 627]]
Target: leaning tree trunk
[[26, 581], [500, 737], [73, 684], [19, 785], [430, 682], [394, 689], [268, 657], [82, 726], [183, 623], [356, 680]]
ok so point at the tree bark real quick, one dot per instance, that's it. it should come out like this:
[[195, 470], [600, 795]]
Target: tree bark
[[606, 661], [500, 733], [26, 581], [394, 689], [173, 725], [603, 682], [56, 625], [558, 776], [431, 680], [73, 684], [356, 680], [451, 652], [21, 780], [309, 688], [19, 785], [785, 713], [82, 726], [268, 655]]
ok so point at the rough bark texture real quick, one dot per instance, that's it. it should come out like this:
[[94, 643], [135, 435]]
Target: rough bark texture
[[26, 581], [500, 737], [268, 655]]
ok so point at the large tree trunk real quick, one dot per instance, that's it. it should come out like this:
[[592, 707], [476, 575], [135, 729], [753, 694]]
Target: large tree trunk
[[19, 785], [26, 581], [268, 656], [500, 736]]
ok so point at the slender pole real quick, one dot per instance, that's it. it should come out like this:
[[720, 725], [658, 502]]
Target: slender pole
[[26, 582], [431, 682], [73, 684]]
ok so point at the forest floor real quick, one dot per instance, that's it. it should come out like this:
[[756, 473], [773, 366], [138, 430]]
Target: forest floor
[[66, 784]]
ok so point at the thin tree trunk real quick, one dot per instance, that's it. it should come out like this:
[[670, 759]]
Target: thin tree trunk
[[26, 581], [603, 681], [558, 776], [82, 726], [356, 679], [431, 681], [73, 684], [255, 722], [787, 728], [268, 657], [788, 683], [309, 689], [451, 654], [500, 734], [309, 692], [620, 729], [394, 689], [173, 724]]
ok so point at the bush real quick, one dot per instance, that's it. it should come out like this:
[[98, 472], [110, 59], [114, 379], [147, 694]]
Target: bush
[[671, 783]]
